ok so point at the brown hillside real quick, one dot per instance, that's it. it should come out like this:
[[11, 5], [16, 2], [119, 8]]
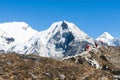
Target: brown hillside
[[21, 67]]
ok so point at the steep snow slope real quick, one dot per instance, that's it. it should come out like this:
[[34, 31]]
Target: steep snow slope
[[19, 30], [13, 33], [5, 41], [60, 40]]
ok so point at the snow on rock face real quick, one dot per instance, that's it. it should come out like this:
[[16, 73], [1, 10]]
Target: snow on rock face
[[106, 38], [115, 42], [109, 39], [18, 30], [13, 33], [62, 39], [5, 41]]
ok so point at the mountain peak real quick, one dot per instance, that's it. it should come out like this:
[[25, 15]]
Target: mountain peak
[[62, 39], [14, 24], [64, 25], [19, 31], [106, 35]]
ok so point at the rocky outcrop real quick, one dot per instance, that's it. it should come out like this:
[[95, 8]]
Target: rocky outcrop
[[105, 58]]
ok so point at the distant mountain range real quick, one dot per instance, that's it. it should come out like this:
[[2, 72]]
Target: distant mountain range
[[62, 39]]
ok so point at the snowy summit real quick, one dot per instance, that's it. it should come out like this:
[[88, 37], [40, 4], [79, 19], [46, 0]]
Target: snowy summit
[[105, 37], [62, 39], [14, 33]]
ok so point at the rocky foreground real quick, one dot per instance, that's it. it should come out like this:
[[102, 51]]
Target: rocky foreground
[[97, 64]]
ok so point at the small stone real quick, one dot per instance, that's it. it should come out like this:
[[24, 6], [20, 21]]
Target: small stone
[[62, 77], [9, 63], [32, 75], [47, 74]]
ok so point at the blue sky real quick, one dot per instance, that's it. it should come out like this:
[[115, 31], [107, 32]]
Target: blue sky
[[92, 16]]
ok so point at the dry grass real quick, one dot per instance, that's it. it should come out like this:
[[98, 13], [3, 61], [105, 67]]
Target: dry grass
[[30, 67]]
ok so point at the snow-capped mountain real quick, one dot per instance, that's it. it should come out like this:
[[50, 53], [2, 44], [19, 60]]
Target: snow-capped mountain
[[106, 38], [109, 39], [14, 33], [60, 40]]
